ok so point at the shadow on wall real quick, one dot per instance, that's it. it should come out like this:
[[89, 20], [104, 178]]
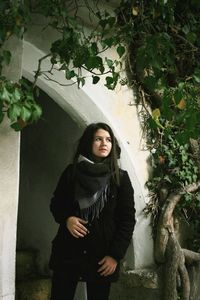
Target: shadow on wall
[[46, 148]]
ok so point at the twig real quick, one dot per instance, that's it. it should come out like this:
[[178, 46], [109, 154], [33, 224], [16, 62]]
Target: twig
[[183, 39], [38, 72], [53, 80]]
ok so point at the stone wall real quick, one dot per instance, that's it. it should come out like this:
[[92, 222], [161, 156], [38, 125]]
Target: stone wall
[[143, 284]]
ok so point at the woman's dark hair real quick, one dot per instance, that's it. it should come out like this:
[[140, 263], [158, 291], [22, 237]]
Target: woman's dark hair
[[85, 147]]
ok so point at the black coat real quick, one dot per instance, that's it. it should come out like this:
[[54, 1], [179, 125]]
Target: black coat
[[110, 234]]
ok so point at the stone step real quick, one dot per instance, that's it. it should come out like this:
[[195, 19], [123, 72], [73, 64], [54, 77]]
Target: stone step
[[25, 264], [33, 289]]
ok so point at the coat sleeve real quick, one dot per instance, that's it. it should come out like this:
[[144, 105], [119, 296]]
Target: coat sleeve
[[61, 202], [125, 218]]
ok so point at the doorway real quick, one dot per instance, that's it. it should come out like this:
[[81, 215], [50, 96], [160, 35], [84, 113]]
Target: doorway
[[47, 147]]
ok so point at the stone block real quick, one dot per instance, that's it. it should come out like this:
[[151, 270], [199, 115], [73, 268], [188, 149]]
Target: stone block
[[33, 289], [25, 264], [143, 284], [140, 278]]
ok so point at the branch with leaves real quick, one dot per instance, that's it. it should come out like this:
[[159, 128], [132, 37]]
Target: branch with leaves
[[76, 52], [17, 99]]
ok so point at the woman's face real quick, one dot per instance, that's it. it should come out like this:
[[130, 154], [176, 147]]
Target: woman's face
[[102, 144]]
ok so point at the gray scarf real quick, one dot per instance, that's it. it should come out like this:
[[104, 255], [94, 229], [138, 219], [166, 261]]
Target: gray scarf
[[91, 187]]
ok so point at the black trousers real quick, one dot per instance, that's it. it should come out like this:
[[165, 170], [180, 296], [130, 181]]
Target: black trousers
[[64, 289]]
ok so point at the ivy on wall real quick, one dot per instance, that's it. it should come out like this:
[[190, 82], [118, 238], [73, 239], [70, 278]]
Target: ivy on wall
[[164, 71], [16, 98]]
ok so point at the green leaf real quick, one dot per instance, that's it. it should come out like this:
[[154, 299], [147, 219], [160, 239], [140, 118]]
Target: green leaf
[[14, 112], [109, 62], [63, 67], [185, 29], [156, 113], [6, 96], [81, 54], [93, 62], [37, 112], [192, 37], [111, 21], [16, 126], [103, 23], [108, 42], [196, 76], [53, 60], [109, 80], [101, 69], [25, 113], [120, 50], [150, 82], [80, 80], [69, 74], [178, 95], [94, 48], [16, 95], [95, 79]]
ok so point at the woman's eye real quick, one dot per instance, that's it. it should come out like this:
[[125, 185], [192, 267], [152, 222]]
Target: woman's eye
[[108, 140]]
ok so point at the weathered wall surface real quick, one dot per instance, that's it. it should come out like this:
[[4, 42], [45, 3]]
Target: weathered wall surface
[[9, 181], [46, 149]]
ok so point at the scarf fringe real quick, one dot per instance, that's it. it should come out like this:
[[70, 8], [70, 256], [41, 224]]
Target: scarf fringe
[[91, 188], [93, 211]]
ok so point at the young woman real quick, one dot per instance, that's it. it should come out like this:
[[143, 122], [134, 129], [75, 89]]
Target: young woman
[[93, 203]]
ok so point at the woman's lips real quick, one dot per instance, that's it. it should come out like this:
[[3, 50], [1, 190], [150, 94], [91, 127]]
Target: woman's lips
[[103, 150]]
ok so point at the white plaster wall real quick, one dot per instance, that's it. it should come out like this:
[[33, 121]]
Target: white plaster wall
[[9, 181], [9, 166], [47, 147]]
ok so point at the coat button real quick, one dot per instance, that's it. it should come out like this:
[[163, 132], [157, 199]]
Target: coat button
[[84, 251], [80, 278]]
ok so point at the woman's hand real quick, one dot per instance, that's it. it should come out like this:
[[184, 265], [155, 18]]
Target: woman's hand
[[76, 227], [108, 266]]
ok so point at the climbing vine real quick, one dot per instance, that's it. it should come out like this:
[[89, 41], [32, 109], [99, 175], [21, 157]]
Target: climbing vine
[[164, 71], [158, 40], [78, 52], [16, 98]]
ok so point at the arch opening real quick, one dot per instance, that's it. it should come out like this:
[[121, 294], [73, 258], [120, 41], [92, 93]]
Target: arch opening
[[82, 107]]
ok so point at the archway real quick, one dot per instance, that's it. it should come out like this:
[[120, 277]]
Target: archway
[[91, 104], [46, 149]]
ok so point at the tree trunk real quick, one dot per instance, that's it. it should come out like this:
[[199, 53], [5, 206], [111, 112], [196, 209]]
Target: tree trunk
[[171, 267], [169, 251]]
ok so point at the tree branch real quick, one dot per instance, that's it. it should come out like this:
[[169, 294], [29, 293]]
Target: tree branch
[[164, 223], [191, 256]]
